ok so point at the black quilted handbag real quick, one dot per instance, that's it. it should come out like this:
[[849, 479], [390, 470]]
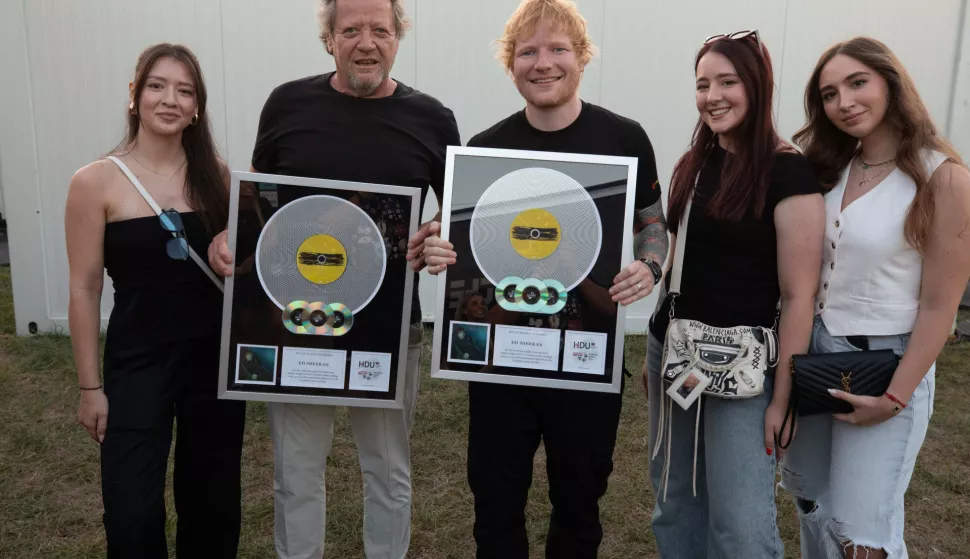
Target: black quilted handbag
[[863, 373]]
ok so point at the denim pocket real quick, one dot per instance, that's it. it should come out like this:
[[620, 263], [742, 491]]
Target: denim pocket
[[824, 342], [903, 342], [861, 343], [895, 342]]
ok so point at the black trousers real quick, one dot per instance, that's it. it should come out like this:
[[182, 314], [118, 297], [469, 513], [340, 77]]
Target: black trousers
[[578, 430], [146, 389]]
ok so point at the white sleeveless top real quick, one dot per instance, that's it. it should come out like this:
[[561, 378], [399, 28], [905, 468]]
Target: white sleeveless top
[[871, 276]]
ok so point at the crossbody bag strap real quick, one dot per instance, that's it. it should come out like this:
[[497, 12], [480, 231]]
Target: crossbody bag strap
[[677, 268], [158, 211]]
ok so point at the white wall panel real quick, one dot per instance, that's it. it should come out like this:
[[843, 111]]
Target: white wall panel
[[19, 172], [923, 35], [958, 128], [267, 44], [67, 63], [457, 64]]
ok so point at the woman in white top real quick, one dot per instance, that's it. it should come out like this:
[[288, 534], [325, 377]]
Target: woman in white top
[[896, 261]]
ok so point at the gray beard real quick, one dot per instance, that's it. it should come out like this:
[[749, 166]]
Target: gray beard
[[365, 87]]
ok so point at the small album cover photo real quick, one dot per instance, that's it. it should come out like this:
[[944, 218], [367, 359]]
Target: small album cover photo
[[256, 364], [684, 392], [468, 342]]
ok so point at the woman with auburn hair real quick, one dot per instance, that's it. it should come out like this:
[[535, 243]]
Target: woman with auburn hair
[[143, 213], [754, 239], [896, 262]]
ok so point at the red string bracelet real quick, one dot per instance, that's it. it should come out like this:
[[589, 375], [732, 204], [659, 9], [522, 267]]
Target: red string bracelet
[[895, 400]]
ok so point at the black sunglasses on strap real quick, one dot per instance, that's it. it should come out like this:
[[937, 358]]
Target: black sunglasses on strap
[[737, 35], [176, 247]]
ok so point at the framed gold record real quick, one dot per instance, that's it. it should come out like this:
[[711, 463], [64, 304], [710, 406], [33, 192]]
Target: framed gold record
[[539, 237], [318, 309]]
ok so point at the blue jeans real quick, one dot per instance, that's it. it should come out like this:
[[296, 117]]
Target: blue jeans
[[849, 481], [733, 514]]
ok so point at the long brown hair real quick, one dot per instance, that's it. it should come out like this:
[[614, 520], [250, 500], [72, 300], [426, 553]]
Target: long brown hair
[[830, 150], [746, 174], [205, 190]]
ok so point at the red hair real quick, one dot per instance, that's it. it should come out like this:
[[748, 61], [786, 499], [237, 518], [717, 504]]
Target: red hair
[[746, 175]]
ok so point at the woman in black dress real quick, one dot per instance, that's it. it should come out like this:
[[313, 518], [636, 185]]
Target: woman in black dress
[[139, 213]]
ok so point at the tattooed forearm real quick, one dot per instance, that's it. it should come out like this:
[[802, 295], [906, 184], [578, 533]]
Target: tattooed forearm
[[650, 238]]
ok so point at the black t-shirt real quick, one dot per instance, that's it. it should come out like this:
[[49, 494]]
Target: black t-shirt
[[596, 131], [309, 129], [730, 273]]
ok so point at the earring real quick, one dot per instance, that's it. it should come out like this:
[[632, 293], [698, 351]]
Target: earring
[[131, 108], [195, 119]]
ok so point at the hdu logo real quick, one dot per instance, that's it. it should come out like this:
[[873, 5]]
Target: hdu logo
[[584, 345], [369, 364]]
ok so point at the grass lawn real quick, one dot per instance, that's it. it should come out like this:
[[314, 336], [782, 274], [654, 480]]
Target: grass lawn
[[50, 503]]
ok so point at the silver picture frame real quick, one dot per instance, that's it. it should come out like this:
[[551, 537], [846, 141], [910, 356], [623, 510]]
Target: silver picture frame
[[245, 391], [456, 199]]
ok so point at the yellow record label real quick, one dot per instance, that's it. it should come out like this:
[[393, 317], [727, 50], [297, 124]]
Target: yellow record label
[[535, 234], [321, 259]]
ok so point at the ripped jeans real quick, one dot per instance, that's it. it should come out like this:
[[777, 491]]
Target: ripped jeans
[[849, 481]]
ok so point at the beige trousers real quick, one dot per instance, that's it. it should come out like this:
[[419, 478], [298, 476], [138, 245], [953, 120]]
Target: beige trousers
[[302, 437]]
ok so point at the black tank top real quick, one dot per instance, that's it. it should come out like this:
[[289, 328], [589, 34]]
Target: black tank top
[[158, 299]]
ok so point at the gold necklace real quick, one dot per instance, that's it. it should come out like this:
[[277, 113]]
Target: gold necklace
[[865, 166], [169, 177]]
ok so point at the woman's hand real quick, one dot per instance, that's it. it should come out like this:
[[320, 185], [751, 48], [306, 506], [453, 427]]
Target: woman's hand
[[775, 438], [92, 413], [869, 410]]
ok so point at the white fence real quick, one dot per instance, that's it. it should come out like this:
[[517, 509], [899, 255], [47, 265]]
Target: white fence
[[66, 66]]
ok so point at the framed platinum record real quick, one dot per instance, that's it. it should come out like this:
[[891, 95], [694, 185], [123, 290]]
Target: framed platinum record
[[539, 237], [318, 308]]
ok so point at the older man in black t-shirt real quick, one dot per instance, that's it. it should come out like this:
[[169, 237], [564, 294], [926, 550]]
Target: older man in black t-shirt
[[355, 124], [546, 57]]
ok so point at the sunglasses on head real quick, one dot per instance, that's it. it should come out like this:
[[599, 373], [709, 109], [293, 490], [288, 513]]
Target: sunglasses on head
[[176, 247], [737, 35]]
